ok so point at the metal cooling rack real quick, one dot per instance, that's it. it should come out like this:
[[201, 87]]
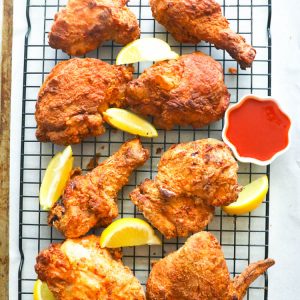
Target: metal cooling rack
[[244, 239]]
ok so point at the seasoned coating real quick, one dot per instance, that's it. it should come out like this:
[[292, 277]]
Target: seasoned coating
[[172, 216], [79, 269], [186, 91], [85, 24], [192, 178], [198, 271], [90, 200], [192, 21], [74, 95]]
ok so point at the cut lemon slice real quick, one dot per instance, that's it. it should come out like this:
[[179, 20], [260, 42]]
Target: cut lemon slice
[[41, 291], [129, 122], [146, 49], [128, 232], [55, 178], [249, 198]]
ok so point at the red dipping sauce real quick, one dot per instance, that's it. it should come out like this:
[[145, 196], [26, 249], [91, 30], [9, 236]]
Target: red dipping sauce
[[257, 128]]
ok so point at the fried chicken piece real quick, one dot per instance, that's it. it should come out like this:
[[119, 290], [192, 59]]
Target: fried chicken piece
[[85, 24], [186, 91], [192, 178], [192, 21], [90, 200], [74, 95], [198, 271], [79, 269]]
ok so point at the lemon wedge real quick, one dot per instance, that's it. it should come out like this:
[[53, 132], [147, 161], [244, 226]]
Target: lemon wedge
[[250, 197], [55, 178], [129, 122], [41, 291], [128, 232], [146, 49]]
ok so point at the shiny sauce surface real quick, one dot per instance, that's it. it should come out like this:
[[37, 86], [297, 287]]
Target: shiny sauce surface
[[258, 129]]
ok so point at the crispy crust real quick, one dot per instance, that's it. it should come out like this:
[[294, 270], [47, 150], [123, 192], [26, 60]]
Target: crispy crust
[[193, 21], [74, 95], [186, 91], [90, 200], [85, 24]]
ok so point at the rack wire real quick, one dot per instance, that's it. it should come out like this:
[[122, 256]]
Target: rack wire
[[244, 238]]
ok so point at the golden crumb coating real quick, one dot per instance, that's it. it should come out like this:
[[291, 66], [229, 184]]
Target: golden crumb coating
[[193, 21], [192, 179], [90, 200], [74, 95], [186, 91], [198, 271], [85, 24], [79, 269]]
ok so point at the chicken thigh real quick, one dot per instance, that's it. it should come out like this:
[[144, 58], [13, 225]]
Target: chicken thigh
[[85, 24], [186, 91], [74, 95], [192, 21], [192, 179], [79, 269], [198, 271]]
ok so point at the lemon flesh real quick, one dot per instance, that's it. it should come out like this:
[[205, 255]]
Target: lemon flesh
[[129, 122], [146, 49], [41, 291], [128, 232], [250, 197], [55, 178]]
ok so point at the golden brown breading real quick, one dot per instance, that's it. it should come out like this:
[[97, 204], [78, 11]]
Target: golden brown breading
[[198, 271], [85, 24], [74, 95], [80, 269], [172, 216], [192, 178], [186, 91], [90, 200], [192, 21]]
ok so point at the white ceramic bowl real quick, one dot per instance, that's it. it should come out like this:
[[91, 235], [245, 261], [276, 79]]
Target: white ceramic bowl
[[233, 148]]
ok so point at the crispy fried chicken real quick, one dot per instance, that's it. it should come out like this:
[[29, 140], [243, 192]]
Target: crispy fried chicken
[[192, 21], [192, 179], [198, 271], [90, 200], [79, 269], [186, 91], [85, 24], [74, 95]]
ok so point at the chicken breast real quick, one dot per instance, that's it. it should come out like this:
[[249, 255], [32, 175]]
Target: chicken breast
[[85, 24], [193, 21], [198, 271], [74, 95], [186, 91], [79, 269], [192, 179], [89, 200]]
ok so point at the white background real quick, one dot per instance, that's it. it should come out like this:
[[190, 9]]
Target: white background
[[284, 244]]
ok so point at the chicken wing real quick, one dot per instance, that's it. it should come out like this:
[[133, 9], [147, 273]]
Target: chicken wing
[[79, 269], [74, 95], [90, 200], [85, 24], [192, 21], [198, 271], [192, 179], [186, 91]]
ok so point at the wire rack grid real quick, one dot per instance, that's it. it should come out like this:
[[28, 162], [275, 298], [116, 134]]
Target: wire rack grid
[[244, 238]]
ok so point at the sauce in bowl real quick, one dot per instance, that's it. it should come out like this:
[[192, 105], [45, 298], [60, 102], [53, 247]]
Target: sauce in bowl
[[257, 128]]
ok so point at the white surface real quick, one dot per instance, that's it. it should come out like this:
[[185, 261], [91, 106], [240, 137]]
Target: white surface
[[285, 176]]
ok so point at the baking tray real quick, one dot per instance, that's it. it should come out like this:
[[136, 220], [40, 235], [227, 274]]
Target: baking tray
[[244, 238]]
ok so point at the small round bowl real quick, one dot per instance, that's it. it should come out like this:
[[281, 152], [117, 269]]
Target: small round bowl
[[233, 147]]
